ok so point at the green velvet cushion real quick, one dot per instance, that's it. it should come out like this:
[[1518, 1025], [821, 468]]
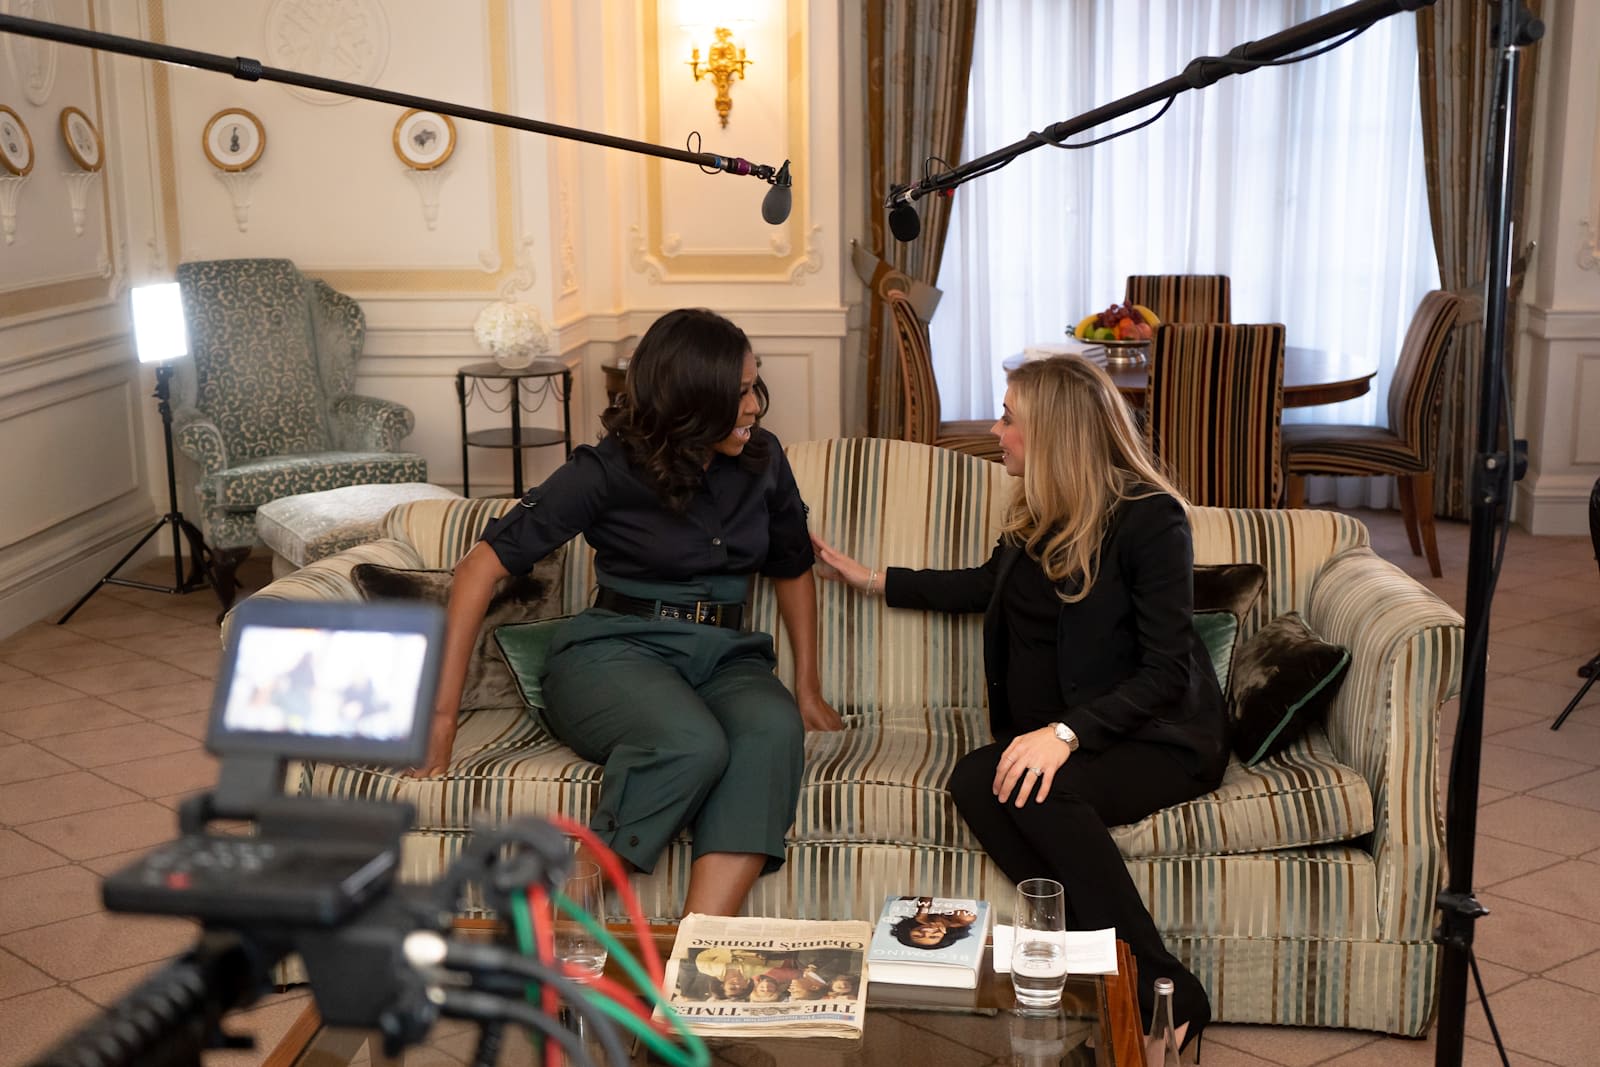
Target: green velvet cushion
[[1218, 630], [520, 598], [524, 647], [1284, 678]]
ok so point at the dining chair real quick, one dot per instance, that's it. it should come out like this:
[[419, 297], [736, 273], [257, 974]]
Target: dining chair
[[1408, 447], [1182, 297], [919, 391], [1214, 409]]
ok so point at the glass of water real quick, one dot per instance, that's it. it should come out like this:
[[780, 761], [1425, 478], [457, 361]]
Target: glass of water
[[1039, 951], [581, 954]]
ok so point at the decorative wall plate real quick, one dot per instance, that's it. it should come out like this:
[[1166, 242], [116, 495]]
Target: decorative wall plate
[[424, 139], [233, 139], [83, 140], [16, 147]]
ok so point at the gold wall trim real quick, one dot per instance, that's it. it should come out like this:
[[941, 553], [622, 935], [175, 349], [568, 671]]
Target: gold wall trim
[[414, 281], [161, 94], [761, 266]]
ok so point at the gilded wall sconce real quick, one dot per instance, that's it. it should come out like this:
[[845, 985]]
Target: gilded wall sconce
[[724, 59]]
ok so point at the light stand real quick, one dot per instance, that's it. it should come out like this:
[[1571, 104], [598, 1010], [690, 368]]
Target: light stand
[[1492, 477], [160, 337]]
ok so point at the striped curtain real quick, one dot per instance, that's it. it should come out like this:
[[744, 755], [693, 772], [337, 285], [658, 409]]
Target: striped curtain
[[1455, 70], [919, 58]]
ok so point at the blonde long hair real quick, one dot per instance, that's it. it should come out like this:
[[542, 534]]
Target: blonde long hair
[[1082, 457]]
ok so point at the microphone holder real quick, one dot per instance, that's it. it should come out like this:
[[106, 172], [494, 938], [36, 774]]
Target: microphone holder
[[1201, 72], [245, 68]]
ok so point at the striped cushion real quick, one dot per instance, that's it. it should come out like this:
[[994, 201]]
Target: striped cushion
[[1213, 411], [1409, 443], [1183, 297]]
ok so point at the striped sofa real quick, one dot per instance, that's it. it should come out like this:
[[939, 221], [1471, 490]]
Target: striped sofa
[[1301, 891]]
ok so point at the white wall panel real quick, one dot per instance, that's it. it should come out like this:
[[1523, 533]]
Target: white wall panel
[[77, 451]]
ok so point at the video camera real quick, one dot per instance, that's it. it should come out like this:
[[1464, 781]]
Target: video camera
[[317, 878]]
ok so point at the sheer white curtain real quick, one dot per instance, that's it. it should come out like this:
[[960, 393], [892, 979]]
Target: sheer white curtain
[[1303, 183]]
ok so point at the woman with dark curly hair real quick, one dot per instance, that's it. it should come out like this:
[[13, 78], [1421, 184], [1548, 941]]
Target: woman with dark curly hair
[[684, 500]]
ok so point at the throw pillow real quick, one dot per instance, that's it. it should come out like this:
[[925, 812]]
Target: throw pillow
[[1225, 592], [1231, 587], [1284, 678], [524, 647], [1218, 630], [519, 598]]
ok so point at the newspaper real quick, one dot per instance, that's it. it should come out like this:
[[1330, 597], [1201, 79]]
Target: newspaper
[[780, 977]]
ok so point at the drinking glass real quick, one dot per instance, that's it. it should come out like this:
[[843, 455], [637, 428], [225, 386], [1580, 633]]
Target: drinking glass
[[579, 951], [1039, 950]]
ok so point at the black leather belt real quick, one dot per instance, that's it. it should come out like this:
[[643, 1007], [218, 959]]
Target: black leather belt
[[704, 612]]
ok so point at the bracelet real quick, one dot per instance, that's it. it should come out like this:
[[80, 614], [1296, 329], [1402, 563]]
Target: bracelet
[[872, 582]]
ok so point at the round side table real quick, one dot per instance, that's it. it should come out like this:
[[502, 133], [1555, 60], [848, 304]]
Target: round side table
[[478, 380]]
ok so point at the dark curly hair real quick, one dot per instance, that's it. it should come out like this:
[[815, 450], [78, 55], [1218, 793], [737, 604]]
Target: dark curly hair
[[681, 398], [901, 931]]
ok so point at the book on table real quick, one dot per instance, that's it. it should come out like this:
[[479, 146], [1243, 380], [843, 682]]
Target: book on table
[[747, 976], [934, 941]]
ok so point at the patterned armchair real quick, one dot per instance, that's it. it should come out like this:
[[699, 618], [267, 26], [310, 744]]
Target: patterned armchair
[[265, 407], [1300, 891]]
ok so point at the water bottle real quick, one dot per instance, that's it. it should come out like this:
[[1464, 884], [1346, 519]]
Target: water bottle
[[1162, 1050]]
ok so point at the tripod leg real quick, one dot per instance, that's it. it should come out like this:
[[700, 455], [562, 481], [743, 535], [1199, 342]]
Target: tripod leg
[[96, 586], [1593, 668], [199, 555], [224, 563]]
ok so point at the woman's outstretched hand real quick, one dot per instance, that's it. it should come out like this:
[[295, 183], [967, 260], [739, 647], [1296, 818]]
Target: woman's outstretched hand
[[441, 739], [817, 714], [835, 566]]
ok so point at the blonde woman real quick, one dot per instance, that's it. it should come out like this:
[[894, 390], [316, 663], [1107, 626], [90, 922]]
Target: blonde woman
[[1102, 699]]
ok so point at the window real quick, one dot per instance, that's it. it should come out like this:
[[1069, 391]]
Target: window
[[1303, 183]]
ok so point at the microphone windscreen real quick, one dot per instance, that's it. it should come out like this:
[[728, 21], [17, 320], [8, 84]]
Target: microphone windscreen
[[904, 222], [776, 204]]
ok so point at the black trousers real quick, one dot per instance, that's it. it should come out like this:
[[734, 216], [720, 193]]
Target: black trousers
[[1065, 838]]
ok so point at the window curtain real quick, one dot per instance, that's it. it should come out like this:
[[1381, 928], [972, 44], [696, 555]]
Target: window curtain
[[1456, 71], [919, 56], [1303, 183]]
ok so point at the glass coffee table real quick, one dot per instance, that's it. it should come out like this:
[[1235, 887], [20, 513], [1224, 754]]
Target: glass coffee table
[[1098, 1025]]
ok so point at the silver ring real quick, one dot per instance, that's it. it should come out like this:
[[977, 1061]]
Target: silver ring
[[1035, 770]]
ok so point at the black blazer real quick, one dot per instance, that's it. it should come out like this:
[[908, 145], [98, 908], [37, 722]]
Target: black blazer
[[1130, 663]]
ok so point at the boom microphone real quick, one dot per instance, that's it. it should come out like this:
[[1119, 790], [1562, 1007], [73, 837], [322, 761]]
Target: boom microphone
[[779, 199], [904, 222]]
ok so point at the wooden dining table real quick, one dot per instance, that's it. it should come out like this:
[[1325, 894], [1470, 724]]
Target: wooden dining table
[[1311, 376]]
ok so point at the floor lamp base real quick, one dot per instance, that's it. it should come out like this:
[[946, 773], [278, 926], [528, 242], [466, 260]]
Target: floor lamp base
[[199, 564]]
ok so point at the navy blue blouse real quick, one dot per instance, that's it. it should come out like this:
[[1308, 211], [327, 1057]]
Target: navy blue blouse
[[738, 522]]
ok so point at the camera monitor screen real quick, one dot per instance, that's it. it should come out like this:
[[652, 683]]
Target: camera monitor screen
[[309, 680]]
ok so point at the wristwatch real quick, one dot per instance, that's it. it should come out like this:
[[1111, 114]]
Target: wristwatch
[[1064, 732]]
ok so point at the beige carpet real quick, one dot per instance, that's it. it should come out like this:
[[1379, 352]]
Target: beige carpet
[[101, 721]]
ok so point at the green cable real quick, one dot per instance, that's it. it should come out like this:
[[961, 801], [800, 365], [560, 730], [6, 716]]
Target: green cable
[[694, 1052]]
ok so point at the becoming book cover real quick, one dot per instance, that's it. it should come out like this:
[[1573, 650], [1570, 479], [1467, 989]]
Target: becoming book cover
[[936, 941]]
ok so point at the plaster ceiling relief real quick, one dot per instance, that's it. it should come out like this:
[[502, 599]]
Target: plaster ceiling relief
[[346, 40], [34, 61]]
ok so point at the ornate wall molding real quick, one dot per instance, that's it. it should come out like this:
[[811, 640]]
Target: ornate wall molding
[[33, 61], [346, 40], [1589, 228], [639, 257], [811, 263]]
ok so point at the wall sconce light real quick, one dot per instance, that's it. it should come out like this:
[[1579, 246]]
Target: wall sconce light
[[724, 59]]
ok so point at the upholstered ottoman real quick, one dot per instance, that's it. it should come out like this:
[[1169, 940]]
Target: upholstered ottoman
[[307, 527]]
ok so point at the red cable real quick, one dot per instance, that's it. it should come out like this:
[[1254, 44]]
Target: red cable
[[544, 941]]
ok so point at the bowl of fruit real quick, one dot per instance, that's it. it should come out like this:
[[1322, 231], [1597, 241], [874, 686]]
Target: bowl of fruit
[[1124, 329]]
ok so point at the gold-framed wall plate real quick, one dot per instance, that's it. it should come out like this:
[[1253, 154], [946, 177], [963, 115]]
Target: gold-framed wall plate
[[16, 145], [83, 141], [233, 139], [424, 139]]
